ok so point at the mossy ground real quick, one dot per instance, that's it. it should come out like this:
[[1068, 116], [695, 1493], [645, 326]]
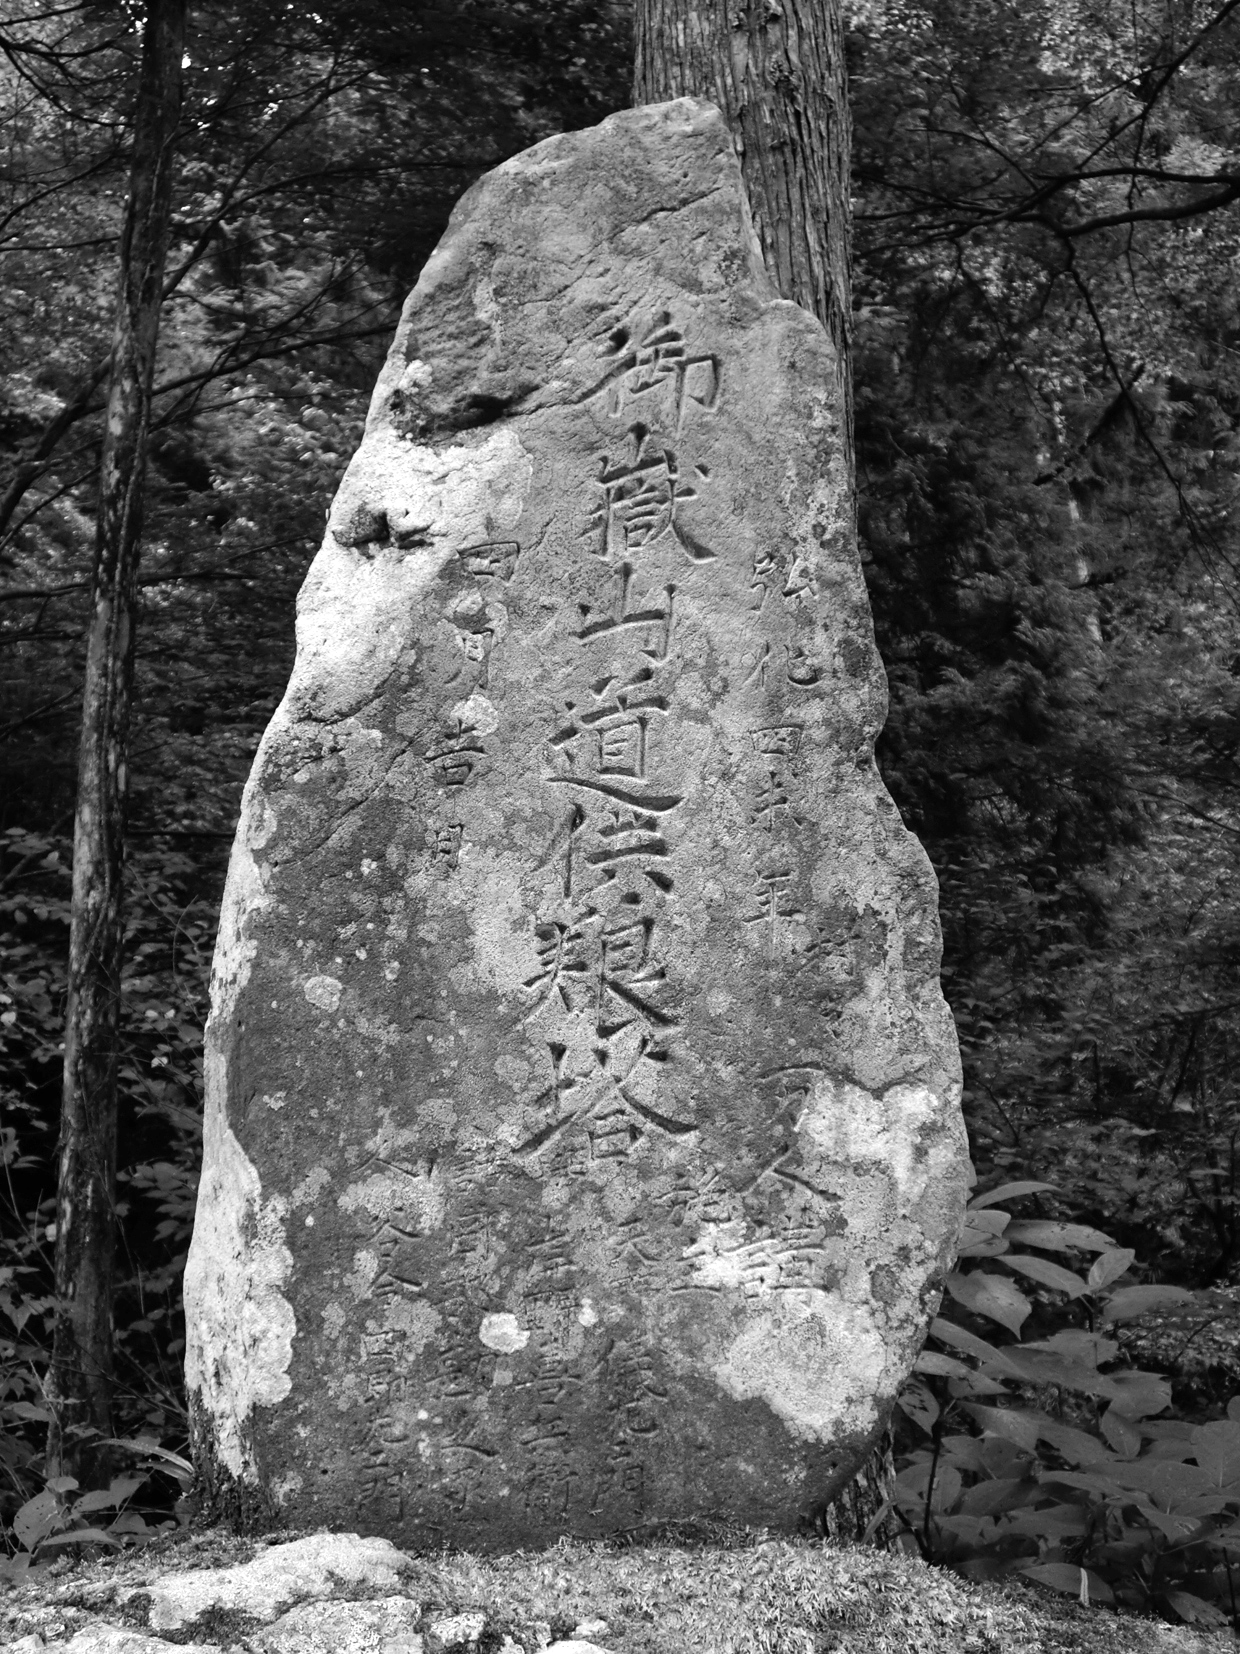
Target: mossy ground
[[755, 1597]]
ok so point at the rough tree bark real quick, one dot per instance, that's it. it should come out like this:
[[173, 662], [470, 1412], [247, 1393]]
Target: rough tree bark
[[776, 68], [80, 1383]]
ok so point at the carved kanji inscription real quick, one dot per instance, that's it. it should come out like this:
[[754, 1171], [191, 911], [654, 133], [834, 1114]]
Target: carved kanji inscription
[[582, 1142]]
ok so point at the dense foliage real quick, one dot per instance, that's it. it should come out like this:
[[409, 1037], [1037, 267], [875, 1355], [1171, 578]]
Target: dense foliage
[[1046, 1458], [1047, 432], [1048, 436]]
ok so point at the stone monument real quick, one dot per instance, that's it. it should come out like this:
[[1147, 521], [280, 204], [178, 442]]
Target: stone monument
[[583, 1144]]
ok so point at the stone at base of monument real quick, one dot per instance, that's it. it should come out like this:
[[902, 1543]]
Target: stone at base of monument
[[583, 1144]]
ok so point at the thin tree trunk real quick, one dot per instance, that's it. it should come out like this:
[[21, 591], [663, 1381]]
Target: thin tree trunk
[[776, 69], [80, 1383]]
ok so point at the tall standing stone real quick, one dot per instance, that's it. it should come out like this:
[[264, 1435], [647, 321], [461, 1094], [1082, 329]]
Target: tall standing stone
[[583, 1141]]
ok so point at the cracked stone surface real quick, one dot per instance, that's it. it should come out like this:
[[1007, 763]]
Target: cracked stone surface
[[583, 1144]]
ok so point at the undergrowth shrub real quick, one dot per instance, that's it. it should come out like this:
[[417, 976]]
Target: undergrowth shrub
[[169, 934], [1055, 1458]]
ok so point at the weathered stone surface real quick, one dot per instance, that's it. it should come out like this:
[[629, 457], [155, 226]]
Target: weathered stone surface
[[583, 1141], [304, 1570], [109, 1639], [389, 1626]]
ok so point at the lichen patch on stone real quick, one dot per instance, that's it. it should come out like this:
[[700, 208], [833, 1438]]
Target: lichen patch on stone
[[503, 1332], [239, 1322], [323, 992]]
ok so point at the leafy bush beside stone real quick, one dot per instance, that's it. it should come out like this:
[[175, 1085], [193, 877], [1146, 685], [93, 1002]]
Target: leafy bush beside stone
[[1048, 1459]]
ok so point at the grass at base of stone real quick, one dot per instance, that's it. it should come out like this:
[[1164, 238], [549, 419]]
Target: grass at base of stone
[[787, 1598], [732, 1596]]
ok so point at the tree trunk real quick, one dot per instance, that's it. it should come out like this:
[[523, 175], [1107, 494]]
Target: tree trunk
[[776, 68], [80, 1383]]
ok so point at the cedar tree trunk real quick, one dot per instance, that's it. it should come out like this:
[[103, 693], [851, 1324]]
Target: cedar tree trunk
[[80, 1383], [776, 69]]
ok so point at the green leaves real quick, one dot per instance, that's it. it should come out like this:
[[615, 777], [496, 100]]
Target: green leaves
[[1059, 1237], [981, 1235], [1007, 1191], [1131, 1302], [1088, 1492], [1137, 1517], [1047, 1273], [1071, 1581], [1013, 1424], [1139, 1395], [992, 1296], [960, 1338], [54, 1517], [1108, 1267], [1216, 1447]]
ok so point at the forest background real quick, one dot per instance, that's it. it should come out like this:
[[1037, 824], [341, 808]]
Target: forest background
[[1046, 356]]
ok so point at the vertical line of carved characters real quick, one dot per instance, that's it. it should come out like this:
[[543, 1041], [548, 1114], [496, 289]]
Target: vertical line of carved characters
[[613, 737], [551, 1491], [574, 822], [475, 638], [563, 965], [652, 368], [774, 906], [641, 499], [640, 1392], [785, 1262], [772, 801], [790, 573], [629, 980], [756, 664], [548, 1395], [476, 622], [625, 613], [580, 769], [466, 1465], [381, 1492], [401, 1275], [634, 1397], [804, 670], [462, 1366], [551, 1269], [631, 838], [710, 1199], [611, 1094], [493, 559], [612, 1131], [456, 754], [561, 1103], [473, 1241], [443, 846], [785, 1174], [765, 572]]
